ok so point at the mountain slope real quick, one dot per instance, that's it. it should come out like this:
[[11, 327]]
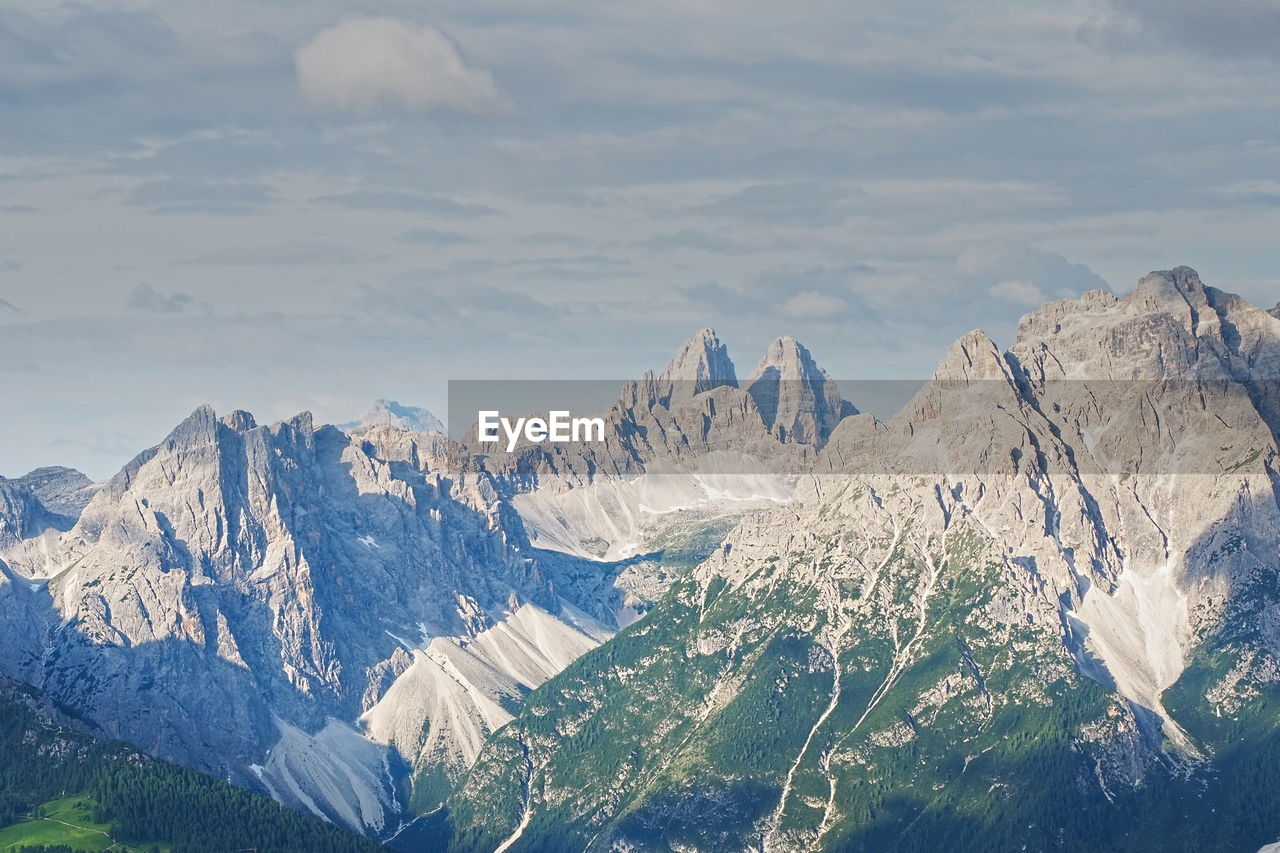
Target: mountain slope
[[1035, 610], [340, 619], [46, 754], [238, 596]]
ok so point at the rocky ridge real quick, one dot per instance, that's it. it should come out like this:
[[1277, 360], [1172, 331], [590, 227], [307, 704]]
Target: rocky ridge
[[1053, 608], [334, 616]]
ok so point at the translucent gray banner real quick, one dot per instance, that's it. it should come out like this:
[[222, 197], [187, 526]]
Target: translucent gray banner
[[817, 425]]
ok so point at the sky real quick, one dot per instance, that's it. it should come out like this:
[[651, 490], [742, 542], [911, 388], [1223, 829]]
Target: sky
[[282, 205]]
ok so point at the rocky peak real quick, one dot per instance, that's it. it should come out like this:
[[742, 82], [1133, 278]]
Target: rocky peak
[[797, 400], [64, 491], [701, 364], [199, 427], [1178, 292], [383, 412], [1275, 312], [239, 421], [974, 357]]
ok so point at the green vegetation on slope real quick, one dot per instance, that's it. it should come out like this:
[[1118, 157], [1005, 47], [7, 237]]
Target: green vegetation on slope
[[48, 761], [955, 727], [68, 822]]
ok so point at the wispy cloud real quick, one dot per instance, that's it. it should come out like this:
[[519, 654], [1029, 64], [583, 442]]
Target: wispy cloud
[[281, 254], [149, 300], [1232, 29], [177, 195], [686, 238], [793, 203], [433, 237], [404, 200]]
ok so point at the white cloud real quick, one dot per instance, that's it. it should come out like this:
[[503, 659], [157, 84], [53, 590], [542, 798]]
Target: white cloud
[[1260, 188], [149, 300], [1019, 292], [813, 304], [366, 65]]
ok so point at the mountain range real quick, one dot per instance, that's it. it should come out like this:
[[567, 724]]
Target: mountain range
[[1036, 609]]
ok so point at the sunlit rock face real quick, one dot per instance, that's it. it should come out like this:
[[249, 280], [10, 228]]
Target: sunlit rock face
[[1045, 592]]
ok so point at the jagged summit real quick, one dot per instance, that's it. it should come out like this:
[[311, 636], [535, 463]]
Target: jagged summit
[[1275, 312], [701, 364], [412, 418], [797, 399], [973, 357], [240, 421]]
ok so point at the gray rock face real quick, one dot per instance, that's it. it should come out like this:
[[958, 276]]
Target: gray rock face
[[701, 364], [797, 400], [687, 447], [288, 606], [22, 515], [237, 586], [45, 500], [64, 491], [389, 412], [254, 600], [1090, 515]]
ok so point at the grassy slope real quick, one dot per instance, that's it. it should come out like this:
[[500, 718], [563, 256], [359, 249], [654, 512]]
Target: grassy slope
[[68, 822]]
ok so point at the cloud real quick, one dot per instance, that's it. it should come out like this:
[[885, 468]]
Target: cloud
[[433, 237], [84, 48], [1024, 275], [75, 80], [282, 254], [814, 305], [559, 269], [374, 199], [812, 294], [447, 305], [109, 444], [1019, 292], [8, 307], [370, 65], [185, 195], [686, 238], [811, 203], [18, 208], [149, 300], [1226, 28], [1262, 190]]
